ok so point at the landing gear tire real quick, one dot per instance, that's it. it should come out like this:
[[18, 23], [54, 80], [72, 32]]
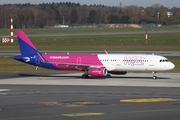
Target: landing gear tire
[[154, 77], [108, 76], [85, 76]]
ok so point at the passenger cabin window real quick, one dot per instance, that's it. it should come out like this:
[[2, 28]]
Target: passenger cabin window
[[164, 60]]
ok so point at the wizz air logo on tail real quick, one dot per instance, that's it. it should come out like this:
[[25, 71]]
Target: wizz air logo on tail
[[134, 60]]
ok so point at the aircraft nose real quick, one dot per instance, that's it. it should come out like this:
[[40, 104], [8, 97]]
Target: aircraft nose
[[171, 66]]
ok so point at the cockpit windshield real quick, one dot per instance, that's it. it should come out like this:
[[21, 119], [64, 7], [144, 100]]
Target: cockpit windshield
[[164, 60]]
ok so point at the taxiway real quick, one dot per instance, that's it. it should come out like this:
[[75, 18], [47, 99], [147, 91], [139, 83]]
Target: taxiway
[[42, 96]]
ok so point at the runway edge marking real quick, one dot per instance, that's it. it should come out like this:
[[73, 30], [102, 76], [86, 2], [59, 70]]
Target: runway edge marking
[[82, 114], [143, 100]]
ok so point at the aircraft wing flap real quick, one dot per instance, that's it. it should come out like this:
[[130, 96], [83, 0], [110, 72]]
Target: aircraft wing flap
[[73, 65], [84, 66], [79, 65]]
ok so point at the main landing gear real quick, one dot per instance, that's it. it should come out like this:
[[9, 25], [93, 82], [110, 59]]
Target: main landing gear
[[85, 76], [154, 75]]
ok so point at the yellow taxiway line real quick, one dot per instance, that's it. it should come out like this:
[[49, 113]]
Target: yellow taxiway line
[[70, 104]]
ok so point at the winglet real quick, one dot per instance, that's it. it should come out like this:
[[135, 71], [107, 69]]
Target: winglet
[[105, 52]]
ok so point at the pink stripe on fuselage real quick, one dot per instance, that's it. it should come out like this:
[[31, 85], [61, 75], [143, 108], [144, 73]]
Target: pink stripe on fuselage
[[87, 59], [24, 37]]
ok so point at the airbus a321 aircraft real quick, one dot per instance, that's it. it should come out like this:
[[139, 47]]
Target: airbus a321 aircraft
[[97, 65]]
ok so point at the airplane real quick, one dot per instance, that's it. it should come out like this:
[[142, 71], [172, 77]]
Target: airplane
[[95, 65]]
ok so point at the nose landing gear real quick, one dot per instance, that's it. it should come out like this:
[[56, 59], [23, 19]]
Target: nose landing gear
[[154, 75]]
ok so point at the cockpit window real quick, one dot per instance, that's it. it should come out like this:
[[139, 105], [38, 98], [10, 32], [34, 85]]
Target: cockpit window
[[164, 60]]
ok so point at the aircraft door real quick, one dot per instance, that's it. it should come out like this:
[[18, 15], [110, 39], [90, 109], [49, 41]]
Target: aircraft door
[[37, 59], [151, 62], [79, 60], [118, 62]]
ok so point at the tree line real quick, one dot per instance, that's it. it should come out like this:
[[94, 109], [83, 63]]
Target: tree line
[[49, 14]]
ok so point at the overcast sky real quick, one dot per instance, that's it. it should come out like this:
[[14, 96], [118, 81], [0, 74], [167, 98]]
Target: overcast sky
[[144, 3]]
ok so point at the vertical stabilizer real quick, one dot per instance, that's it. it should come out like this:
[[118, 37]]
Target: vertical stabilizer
[[25, 45]]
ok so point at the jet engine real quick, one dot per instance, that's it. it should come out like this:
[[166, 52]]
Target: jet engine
[[97, 72]]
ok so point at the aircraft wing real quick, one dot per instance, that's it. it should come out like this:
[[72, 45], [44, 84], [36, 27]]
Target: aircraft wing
[[80, 65]]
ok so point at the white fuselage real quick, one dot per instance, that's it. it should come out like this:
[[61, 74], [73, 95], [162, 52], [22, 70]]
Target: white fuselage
[[135, 62]]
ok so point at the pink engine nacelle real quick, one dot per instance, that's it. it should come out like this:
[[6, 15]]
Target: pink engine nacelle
[[97, 72], [117, 72]]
